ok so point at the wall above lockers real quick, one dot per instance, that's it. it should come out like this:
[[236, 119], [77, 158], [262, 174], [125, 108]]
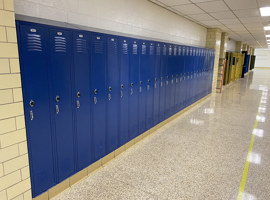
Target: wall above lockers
[[135, 17], [262, 57], [231, 45]]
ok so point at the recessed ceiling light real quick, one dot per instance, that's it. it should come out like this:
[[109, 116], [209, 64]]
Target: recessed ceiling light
[[267, 28], [265, 11]]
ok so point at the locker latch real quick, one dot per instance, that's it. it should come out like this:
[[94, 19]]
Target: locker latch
[[109, 96], [57, 109], [78, 104], [95, 100], [31, 115]]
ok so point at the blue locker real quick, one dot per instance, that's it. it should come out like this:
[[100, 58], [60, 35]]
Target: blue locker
[[124, 91], [81, 71], [187, 69], [184, 76], [98, 94], [178, 79], [113, 94], [134, 67], [150, 76], [173, 80], [163, 68], [61, 99], [142, 88], [34, 49], [168, 83], [157, 84]]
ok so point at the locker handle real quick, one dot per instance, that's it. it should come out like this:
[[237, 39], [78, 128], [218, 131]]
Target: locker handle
[[148, 87], [95, 100], [57, 109], [122, 94], [78, 104], [140, 89], [31, 115], [131, 91], [109, 97]]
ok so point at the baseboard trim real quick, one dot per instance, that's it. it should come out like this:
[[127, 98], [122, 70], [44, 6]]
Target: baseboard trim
[[79, 176]]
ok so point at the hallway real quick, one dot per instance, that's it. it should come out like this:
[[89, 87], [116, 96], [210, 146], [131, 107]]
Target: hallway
[[199, 155]]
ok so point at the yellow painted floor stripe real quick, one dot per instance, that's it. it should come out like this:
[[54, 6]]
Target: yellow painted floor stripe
[[244, 176]]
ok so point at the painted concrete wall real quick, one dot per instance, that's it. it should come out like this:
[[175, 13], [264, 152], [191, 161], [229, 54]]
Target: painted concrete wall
[[231, 45], [262, 57], [136, 17]]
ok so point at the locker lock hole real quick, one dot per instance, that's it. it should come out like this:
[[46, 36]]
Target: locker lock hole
[[32, 103], [78, 94], [95, 91], [122, 86], [110, 88], [131, 84], [148, 81], [140, 82], [57, 98]]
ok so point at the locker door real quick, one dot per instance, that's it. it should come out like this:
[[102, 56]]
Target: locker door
[[182, 77], [168, 84], [142, 88], [113, 94], [187, 67], [81, 71], [150, 76], [134, 67], [173, 80], [177, 80], [124, 90], [60, 74], [157, 84], [98, 94], [33, 48], [163, 66]]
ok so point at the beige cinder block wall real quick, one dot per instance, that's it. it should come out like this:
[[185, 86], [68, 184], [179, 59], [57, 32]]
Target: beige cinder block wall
[[14, 166], [213, 41]]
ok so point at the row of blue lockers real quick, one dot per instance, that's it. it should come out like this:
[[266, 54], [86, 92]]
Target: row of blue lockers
[[88, 93]]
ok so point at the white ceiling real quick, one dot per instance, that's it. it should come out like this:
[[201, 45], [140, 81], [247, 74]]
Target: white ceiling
[[240, 18]]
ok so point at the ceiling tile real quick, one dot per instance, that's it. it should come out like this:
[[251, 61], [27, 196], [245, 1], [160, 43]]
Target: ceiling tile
[[199, 1], [202, 17], [211, 23], [236, 27], [213, 6], [241, 4], [174, 2], [189, 9], [247, 13], [223, 15], [264, 3], [251, 20], [230, 21]]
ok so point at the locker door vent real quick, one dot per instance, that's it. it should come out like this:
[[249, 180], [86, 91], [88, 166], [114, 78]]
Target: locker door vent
[[98, 47], [170, 51], [143, 49], [164, 51], [125, 48], [60, 44], [112, 47], [151, 50], [81, 45], [179, 51], [135, 49], [158, 51], [34, 42], [175, 51]]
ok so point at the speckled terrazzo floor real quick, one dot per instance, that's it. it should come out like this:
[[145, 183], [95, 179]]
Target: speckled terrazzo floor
[[199, 155]]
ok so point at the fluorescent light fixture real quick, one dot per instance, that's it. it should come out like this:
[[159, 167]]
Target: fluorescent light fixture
[[265, 11], [267, 28], [267, 35]]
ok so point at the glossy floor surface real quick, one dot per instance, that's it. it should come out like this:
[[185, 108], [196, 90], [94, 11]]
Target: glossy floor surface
[[199, 155]]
